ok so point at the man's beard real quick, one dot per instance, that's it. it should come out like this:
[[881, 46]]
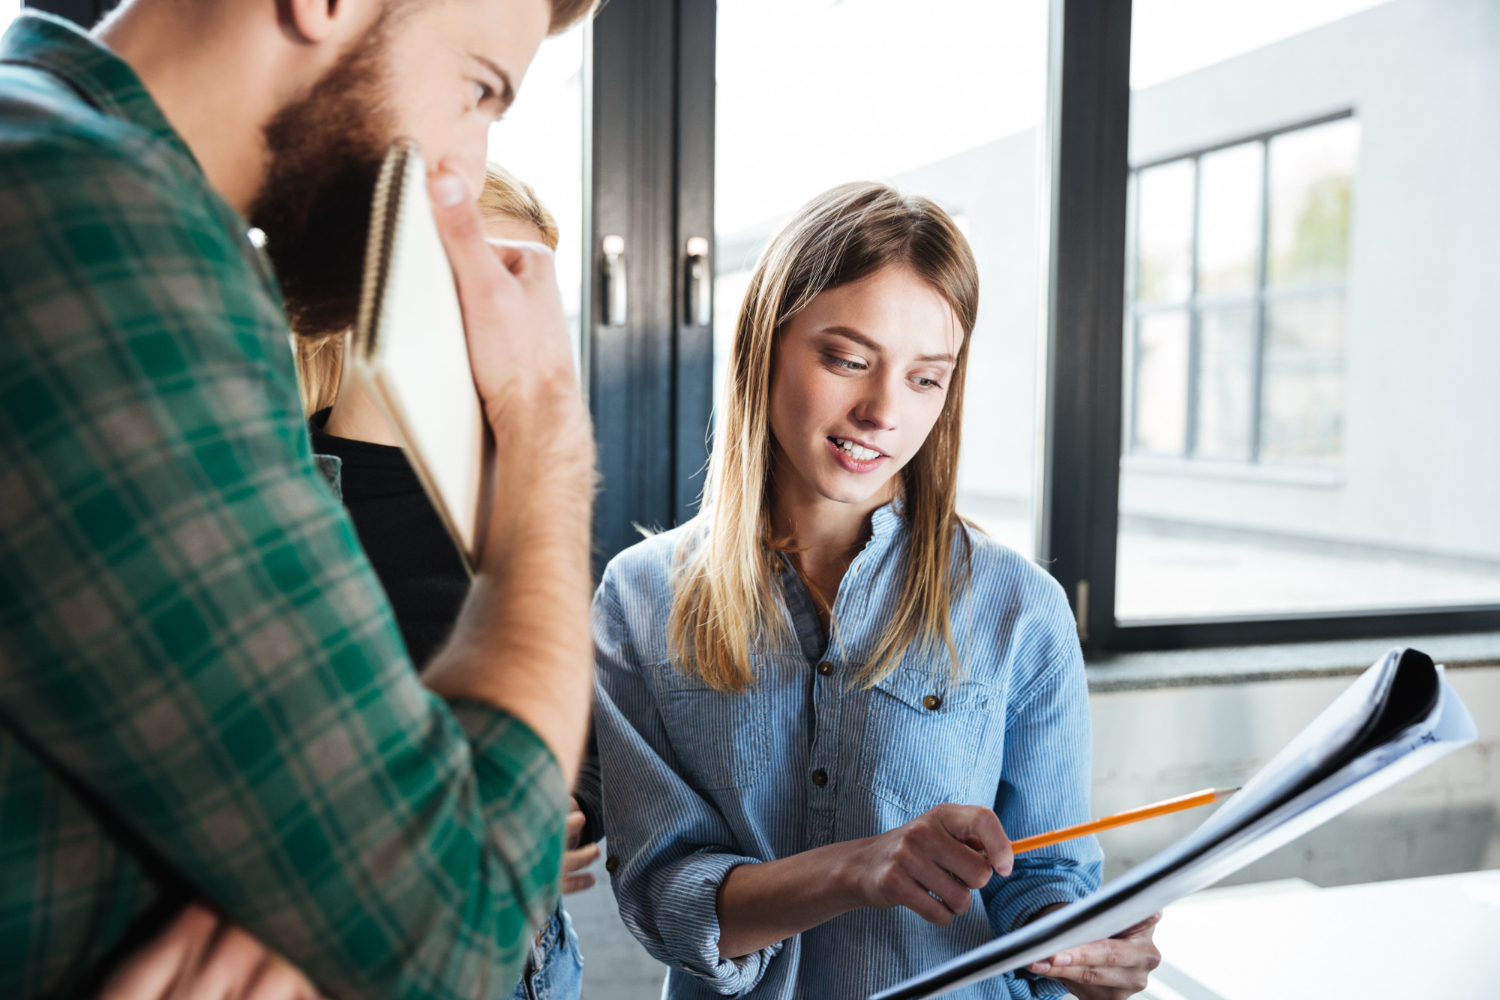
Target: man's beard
[[326, 149]]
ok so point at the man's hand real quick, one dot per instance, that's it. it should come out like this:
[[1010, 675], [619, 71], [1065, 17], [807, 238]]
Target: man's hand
[[946, 852], [575, 858], [1112, 969], [201, 956], [522, 642]]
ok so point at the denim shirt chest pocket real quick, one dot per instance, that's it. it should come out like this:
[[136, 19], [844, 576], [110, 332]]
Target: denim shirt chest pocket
[[720, 738], [922, 737]]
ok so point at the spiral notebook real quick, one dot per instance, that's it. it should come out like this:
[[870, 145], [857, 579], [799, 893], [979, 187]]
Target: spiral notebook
[[410, 350], [1398, 717]]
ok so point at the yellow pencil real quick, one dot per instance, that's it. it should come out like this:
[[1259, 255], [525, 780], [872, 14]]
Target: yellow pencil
[[1190, 801]]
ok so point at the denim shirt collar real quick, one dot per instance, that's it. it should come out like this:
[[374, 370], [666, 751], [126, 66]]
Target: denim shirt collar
[[85, 64]]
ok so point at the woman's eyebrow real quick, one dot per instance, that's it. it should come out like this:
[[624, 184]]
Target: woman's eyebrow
[[856, 336], [866, 342]]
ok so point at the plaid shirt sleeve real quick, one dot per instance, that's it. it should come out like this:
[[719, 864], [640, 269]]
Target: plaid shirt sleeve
[[199, 672]]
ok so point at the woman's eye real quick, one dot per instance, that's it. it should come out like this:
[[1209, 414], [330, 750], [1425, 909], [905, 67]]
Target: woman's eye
[[845, 364], [927, 383], [482, 92]]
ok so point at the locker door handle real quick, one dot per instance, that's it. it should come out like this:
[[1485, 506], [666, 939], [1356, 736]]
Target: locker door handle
[[613, 300], [698, 295]]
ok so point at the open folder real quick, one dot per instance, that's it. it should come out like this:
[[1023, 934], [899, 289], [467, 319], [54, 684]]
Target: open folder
[[1397, 718], [410, 350]]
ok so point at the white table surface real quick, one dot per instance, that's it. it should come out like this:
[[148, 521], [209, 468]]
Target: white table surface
[[1435, 938]]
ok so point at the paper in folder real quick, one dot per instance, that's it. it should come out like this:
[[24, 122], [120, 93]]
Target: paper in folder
[[410, 350], [1397, 718]]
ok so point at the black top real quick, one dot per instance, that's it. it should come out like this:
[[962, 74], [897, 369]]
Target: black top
[[411, 551], [416, 561]]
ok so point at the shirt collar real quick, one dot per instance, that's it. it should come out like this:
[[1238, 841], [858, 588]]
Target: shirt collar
[[82, 62]]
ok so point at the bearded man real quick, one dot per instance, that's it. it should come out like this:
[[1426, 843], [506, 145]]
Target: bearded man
[[208, 722]]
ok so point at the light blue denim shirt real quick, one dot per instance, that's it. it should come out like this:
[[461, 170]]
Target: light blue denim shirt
[[697, 782]]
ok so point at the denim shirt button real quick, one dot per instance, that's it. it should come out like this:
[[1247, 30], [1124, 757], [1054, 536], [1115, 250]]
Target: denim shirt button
[[932, 702], [825, 668], [612, 865], [820, 777]]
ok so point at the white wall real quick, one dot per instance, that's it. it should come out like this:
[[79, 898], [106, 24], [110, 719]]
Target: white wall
[[1154, 744]]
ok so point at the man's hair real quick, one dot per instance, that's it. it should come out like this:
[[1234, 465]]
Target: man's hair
[[566, 13], [320, 359]]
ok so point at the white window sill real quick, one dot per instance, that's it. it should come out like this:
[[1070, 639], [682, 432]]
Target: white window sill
[[1109, 672], [1200, 468]]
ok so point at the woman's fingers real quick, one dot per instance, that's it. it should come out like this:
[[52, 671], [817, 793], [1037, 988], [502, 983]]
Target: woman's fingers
[[579, 858], [575, 827], [1123, 962], [980, 828], [577, 883]]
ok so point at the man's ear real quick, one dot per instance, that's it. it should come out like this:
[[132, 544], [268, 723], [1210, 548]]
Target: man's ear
[[313, 20]]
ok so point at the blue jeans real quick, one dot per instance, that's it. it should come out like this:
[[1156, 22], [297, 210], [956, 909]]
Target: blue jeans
[[554, 970]]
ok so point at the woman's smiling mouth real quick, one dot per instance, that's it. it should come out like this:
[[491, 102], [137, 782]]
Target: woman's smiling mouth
[[854, 456]]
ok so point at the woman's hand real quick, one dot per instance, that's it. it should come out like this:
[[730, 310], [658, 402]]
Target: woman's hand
[[1112, 969], [946, 852], [575, 858], [202, 956]]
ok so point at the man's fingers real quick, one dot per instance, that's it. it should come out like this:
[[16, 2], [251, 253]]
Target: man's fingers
[[278, 979], [151, 971], [455, 209], [920, 901]]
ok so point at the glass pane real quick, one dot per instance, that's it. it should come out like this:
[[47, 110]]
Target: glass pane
[[814, 94], [1226, 378], [1229, 219], [540, 140], [1161, 383], [1303, 398], [1312, 177], [1164, 210], [1357, 469]]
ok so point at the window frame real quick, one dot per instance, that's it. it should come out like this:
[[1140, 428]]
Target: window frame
[[1086, 144], [1194, 304]]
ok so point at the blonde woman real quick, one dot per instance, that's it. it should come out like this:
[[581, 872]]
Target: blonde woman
[[827, 703], [417, 563]]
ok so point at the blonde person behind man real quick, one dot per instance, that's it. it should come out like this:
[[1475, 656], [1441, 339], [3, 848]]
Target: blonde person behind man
[[416, 562]]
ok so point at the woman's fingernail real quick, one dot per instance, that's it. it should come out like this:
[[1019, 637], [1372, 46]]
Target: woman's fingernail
[[1063, 959], [449, 188]]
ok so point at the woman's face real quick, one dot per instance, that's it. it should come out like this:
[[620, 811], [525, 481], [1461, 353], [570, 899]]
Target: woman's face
[[858, 379]]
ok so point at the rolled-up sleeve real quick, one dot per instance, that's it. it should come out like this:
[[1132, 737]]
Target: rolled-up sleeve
[[669, 848], [1045, 780]]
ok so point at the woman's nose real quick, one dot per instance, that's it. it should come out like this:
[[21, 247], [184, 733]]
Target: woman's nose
[[877, 410]]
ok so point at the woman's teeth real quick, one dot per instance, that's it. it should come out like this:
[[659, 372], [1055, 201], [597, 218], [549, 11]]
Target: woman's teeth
[[856, 451]]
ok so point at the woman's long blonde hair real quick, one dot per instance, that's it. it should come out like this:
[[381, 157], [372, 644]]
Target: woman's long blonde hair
[[726, 570], [320, 360]]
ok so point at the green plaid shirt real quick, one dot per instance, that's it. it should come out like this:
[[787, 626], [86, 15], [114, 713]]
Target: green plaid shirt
[[202, 690]]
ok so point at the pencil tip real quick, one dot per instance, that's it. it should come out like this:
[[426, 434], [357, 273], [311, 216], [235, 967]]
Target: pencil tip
[[1225, 792]]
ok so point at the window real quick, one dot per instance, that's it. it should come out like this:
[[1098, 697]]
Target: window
[[1236, 337], [813, 94], [1308, 423]]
